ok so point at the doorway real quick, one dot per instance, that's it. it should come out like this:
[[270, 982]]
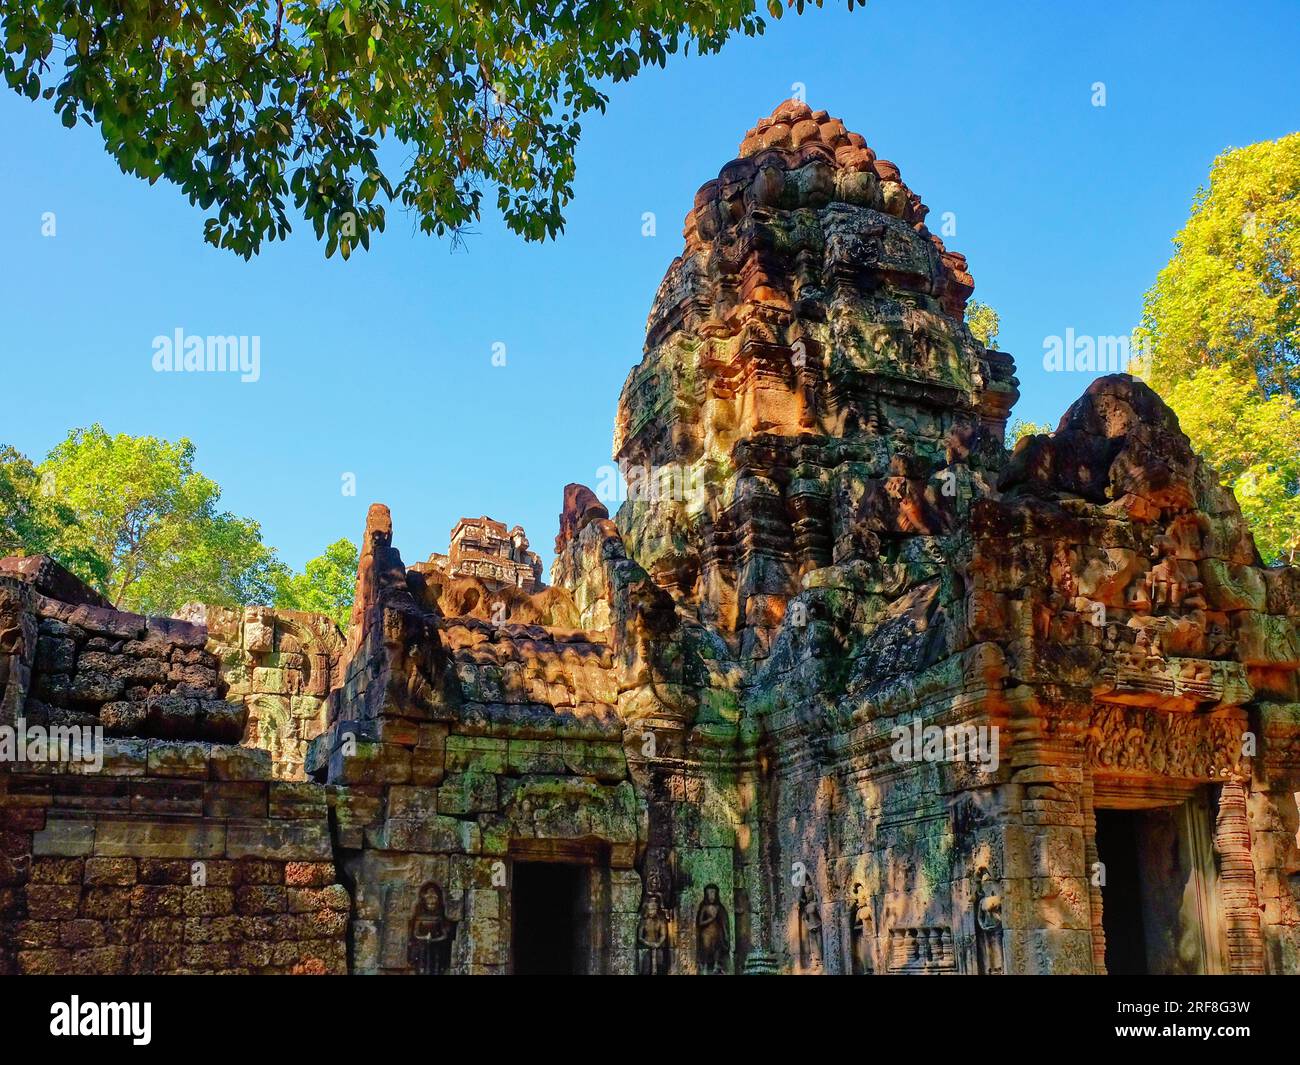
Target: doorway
[[1121, 893], [1159, 899], [550, 919]]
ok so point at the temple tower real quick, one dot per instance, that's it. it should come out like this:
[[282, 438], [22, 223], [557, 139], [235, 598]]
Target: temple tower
[[809, 392]]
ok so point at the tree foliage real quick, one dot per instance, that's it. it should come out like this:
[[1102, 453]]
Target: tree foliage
[[1230, 295], [1222, 325], [326, 586], [1253, 442], [131, 517], [252, 106], [983, 322], [33, 521], [156, 524], [1018, 429]]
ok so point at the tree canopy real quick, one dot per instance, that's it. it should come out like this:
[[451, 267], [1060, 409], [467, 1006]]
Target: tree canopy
[[1222, 324], [155, 522], [326, 585], [34, 522], [1230, 296], [1253, 442], [984, 323], [132, 517], [250, 106], [1018, 429]]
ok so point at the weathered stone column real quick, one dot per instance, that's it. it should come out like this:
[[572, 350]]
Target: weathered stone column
[[756, 873], [1091, 862], [1237, 881]]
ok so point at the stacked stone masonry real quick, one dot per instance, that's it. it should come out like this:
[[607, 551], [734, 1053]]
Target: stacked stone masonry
[[851, 690], [172, 850]]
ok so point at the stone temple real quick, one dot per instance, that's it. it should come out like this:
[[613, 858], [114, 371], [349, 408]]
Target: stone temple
[[844, 687]]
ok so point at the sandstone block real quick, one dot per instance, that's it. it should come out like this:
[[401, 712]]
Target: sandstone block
[[64, 838], [159, 839], [168, 758], [309, 874], [291, 799], [311, 900], [116, 872], [53, 901], [279, 840], [483, 753], [239, 763]]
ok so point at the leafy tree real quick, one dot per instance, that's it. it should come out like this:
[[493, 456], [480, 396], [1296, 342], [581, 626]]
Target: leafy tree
[[155, 522], [1230, 295], [326, 586], [1017, 430], [1253, 442], [34, 522], [247, 104], [983, 322], [1222, 325]]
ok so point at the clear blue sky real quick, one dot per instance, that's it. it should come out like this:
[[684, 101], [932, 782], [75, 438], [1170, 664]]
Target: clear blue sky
[[382, 366]]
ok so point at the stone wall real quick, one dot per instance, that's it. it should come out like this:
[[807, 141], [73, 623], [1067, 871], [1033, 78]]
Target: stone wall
[[507, 746], [171, 851], [79, 662], [176, 858], [280, 665]]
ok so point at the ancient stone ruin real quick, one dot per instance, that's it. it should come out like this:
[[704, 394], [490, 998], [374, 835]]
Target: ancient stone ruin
[[854, 691], [481, 547]]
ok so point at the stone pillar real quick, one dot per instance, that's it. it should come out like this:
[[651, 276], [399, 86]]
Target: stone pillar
[[756, 872], [1237, 881], [1090, 861]]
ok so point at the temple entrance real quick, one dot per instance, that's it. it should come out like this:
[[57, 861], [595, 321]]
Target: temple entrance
[[1121, 894], [1160, 911], [550, 919]]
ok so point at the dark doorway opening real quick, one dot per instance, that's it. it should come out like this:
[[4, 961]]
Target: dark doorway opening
[[1121, 892], [548, 919]]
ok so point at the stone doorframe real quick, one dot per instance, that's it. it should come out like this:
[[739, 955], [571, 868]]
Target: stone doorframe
[[1215, 831], [594, 856]]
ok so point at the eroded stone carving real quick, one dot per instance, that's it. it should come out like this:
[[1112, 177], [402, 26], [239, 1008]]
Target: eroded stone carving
[[652, 939], [432, 933], [926, 950], [988, 922], [862, 932], [712, 936], [811, 945]]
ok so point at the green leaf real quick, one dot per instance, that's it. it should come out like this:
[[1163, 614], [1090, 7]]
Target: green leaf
[[328, 88]]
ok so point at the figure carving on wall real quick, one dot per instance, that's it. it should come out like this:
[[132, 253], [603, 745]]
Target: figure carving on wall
[[712, 940], [432, 933], [1218, 641], [1164, 584], [744, 927], [652, 939], [1148, 649], [658, 865], [921, 345], [861, 931], [988, 920], [810, 928]]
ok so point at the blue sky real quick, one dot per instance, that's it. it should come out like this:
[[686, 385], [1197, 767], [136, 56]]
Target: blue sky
[[382, 366]]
